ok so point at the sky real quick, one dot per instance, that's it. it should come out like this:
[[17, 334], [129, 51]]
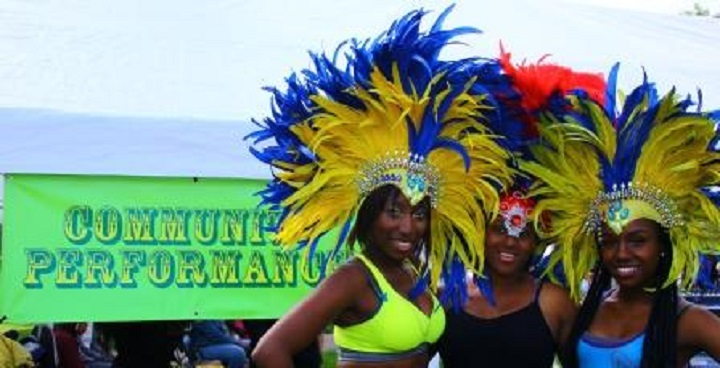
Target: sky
[[170, 58], [656, 6]]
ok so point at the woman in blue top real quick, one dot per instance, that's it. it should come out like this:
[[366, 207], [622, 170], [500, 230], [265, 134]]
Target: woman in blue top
[[627, 191], [632, 324]]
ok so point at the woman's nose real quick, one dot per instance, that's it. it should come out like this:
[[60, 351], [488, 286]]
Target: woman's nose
[[406, 223], [623, 251]]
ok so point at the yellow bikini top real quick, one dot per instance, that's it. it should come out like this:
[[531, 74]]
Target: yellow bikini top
[[397, 327]]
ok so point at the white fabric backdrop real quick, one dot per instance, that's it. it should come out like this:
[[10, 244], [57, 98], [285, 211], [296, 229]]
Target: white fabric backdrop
[[167, 87]]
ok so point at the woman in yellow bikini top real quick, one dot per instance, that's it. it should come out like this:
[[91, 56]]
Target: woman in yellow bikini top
[[389, 148], [398, 327]]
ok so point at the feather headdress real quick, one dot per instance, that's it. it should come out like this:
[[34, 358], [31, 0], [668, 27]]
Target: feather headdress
[[523, 93], [393, 113], [536, 89], [651, 159]]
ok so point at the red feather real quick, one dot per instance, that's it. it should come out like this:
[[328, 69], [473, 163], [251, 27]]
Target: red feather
[[537, 83]]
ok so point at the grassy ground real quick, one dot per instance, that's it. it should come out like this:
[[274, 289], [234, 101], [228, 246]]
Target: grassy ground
[[329, 359]]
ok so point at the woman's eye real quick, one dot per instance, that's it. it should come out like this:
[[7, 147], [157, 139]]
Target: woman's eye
[[420, 214], [636, 242], [394, 212], [608, 243]]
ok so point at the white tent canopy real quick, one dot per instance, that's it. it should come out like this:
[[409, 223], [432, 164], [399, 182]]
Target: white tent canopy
[[169, 87]]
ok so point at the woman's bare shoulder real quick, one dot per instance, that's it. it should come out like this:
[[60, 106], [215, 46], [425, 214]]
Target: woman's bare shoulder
[[698, 327], [556, 299], [352, 274], [556, 293]]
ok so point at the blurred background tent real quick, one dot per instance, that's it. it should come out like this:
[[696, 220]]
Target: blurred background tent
[[169, 87]]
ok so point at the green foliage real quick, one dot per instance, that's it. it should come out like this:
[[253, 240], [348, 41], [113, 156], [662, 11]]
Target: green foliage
[[699, 11]]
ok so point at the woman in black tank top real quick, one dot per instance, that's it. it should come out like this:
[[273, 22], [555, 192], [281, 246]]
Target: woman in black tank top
[[516, 321]]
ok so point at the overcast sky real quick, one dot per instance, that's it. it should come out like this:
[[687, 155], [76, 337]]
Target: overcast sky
[[170, 58], [657, 6]]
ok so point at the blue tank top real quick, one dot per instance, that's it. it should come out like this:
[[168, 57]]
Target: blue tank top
[[600, 352]]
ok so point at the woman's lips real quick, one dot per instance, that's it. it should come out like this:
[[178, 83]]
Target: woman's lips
[[403, 246], [507, 257], [627, 271]]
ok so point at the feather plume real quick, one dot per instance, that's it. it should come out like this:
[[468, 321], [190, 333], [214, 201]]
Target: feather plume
[[651, 140], [389, 94]]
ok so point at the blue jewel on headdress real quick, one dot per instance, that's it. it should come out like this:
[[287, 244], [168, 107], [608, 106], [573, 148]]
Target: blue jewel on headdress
[[416, 182], [616, 211], [390, 178]]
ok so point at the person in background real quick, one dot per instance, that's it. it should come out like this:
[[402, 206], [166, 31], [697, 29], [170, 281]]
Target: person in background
[[144, 344], [67, 343], [389, 148], [626, 189], [13, 355], [94, 350], [212, 340]]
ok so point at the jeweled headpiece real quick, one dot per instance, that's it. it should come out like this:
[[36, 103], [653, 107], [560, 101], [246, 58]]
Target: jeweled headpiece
[[515, 210], [410, 173], [653, 159], [628, 202], [392, 113]]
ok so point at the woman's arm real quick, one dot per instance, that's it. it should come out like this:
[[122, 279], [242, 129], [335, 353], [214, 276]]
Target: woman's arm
[[699, 329], [559, 311], [306, 321]]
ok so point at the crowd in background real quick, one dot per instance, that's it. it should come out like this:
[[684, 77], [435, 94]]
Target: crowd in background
[[162, 344]]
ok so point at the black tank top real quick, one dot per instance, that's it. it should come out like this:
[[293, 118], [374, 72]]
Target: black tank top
[[518, 339]]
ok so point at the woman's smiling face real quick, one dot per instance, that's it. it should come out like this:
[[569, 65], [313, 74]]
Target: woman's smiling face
[[632, 256], [505, 254], [400, 227]]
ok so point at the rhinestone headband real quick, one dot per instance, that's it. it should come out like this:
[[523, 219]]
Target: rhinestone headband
[[409, 172], [656, 198]]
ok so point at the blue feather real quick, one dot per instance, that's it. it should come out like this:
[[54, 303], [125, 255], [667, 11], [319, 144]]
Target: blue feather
[[642, 105], [454, 293], [342, 237], [611, 90], [704, 278], [454, 146], [713, 194], [486, 288], [421, 285]]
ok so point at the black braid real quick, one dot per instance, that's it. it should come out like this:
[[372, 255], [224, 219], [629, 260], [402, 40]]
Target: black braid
[[660, 346], [600, 283]]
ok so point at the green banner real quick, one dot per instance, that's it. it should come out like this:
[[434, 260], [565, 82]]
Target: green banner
[[119, 248]]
